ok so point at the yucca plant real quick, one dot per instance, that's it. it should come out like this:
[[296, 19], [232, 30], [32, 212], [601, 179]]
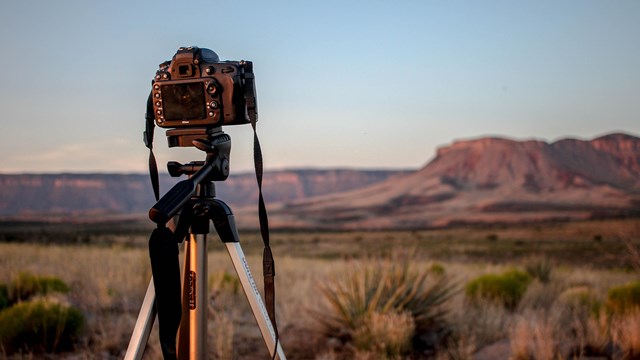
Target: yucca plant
[[539, 268], [388, 288]]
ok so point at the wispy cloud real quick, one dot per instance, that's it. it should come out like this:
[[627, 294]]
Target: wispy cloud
[[117, 155]]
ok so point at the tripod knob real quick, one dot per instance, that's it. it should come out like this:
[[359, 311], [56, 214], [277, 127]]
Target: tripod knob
[[220, 143], [176, 169]]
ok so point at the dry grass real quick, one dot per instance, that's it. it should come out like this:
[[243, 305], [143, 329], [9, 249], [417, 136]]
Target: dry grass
[[625, 332], [386, 334], [108, 283], [597, 334]]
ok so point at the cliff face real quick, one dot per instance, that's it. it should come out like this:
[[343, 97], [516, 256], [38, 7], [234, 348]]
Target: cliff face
[[492, 180], [538, 166]]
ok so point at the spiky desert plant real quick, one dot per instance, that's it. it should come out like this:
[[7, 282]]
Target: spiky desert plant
[[539, 268], [385, 288]]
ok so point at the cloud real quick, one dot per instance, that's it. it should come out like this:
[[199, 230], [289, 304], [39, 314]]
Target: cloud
[[112, 155]]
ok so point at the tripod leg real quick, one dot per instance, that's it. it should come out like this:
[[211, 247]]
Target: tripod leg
[[225, 224], [143, 326], [253, 296]]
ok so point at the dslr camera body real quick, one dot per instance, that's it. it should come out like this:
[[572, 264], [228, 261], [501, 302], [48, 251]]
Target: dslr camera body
[[195, 93]]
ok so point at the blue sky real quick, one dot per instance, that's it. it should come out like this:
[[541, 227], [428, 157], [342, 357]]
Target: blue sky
[[340, 83]]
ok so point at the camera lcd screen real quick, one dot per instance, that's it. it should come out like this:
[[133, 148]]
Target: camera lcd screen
[[184, 101]]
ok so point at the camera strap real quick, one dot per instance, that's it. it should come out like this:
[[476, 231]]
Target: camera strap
[[268, 264], [163, 253], [148, 142]]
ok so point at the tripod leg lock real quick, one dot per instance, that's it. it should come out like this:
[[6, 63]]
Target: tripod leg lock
[[224, 222]]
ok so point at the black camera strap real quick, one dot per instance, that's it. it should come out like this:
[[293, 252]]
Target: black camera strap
[[268, 264], [148, 142], [163, 252]]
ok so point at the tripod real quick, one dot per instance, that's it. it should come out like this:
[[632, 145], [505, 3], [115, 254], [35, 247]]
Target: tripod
[[195, 202]]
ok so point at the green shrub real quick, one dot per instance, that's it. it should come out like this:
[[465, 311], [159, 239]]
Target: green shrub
[[39, 326], [580, 300], [506, 289], [437, 269], [621, 299], [27, 285], [360, 300]]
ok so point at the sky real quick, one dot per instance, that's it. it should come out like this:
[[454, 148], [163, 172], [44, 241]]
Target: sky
[[356, 84]]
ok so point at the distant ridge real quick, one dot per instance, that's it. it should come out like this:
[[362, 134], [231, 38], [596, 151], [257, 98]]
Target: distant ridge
[[482, 180], [93, 196], [490, 180]]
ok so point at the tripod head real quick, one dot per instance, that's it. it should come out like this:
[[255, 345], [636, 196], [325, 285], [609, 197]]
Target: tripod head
[[217, 145]]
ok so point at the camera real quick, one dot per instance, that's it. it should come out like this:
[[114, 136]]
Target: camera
[[195, 92]]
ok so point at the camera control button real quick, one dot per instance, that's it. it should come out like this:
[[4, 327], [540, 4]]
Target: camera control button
[[213, 105]]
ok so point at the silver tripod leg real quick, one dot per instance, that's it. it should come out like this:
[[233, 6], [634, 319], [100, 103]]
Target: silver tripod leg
[[142, 330], [254, 298]]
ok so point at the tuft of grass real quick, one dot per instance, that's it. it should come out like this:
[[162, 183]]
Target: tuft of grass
[[624, 298], [506, 289], [625, 331], [536, 336], [597, 333], [539, 268], [39, 326], [27, 285], [387, 334], [519, 340], [367, 294]]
